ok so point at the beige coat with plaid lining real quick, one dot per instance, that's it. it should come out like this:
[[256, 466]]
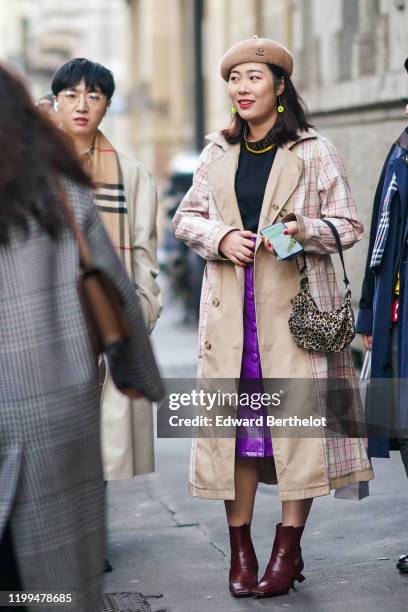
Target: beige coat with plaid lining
[[126, 424], [308, 178]]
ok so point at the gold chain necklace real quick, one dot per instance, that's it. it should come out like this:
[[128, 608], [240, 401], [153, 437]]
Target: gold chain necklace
[[266, 141], [248, 148]]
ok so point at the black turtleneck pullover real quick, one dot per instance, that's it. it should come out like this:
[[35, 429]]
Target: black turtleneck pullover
[[250, 184]]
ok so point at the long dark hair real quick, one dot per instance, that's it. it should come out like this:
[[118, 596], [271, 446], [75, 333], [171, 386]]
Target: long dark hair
[[289, 123], [32, 153]]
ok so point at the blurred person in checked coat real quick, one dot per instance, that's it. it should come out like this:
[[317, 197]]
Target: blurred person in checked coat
[[125, 196], [52, 519]]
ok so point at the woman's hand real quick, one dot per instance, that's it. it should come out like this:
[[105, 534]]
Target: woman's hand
[[292, 228], [238, 247], [268, 245], [367, 341]]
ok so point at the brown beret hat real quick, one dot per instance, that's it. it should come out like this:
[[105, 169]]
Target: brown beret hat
[[256, 49]]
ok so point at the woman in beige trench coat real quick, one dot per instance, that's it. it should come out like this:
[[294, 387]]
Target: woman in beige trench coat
[[221, 217]]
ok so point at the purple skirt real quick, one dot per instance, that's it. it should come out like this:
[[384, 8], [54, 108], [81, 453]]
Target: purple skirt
[[254, 441]]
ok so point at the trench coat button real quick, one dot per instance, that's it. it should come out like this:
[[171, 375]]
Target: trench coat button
[[216, 302], [207, 345], [250, 295], [275, 206], [253, 327], [254, 356]]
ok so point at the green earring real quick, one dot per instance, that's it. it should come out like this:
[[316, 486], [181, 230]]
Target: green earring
[[233, 110], [281, 108]]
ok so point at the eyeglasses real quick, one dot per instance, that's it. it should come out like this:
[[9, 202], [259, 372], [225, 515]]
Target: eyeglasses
[[72, 97]]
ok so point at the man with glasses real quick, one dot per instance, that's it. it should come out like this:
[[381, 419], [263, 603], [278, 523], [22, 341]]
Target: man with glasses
[[126, 198]]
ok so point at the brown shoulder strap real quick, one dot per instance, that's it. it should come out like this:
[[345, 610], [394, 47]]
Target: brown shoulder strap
[[85, 256]]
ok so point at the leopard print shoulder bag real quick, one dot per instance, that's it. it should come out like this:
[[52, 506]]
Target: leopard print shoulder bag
[[317, 330]]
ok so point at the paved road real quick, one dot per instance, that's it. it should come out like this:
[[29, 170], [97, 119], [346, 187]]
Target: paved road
[[163, 542]]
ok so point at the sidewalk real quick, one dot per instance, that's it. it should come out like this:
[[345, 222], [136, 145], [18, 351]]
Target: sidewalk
[[162, 542], [174, 342]]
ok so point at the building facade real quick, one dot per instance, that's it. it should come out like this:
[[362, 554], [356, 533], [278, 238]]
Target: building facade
[[38, 36], [349, 57], [161, 72]]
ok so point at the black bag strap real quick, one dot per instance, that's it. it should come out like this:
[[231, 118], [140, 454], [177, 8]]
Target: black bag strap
[[339, 249]]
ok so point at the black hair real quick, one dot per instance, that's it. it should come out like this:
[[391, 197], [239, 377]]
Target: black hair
[[95, 76], [289, 123], [406, 64], [33, 153]]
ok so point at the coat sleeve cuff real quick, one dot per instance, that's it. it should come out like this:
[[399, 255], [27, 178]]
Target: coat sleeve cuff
[[218, 236], [364, 323]]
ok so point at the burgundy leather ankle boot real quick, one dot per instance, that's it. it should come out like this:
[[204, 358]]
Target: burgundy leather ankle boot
[[243, 574], [285, 565]]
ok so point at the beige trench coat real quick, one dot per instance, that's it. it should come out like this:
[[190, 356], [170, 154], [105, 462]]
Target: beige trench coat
[[308, 178], [127, 425]]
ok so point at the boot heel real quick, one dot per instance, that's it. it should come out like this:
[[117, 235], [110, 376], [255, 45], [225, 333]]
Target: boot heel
[[285, 565]]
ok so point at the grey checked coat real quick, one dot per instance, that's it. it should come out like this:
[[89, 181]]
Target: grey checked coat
[[51, 483]]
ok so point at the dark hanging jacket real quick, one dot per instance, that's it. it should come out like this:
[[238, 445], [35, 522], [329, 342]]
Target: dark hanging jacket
[[374, 317]]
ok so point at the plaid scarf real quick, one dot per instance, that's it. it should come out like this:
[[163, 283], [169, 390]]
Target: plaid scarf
[[102, 165], [383, 223]]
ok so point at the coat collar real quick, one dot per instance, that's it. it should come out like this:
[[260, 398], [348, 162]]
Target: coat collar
[[402, 141], [282, 182], [218, 139]]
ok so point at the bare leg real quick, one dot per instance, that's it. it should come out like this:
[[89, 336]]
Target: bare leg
[[295, 513], [243, 574], [240, 510]]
